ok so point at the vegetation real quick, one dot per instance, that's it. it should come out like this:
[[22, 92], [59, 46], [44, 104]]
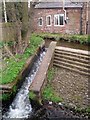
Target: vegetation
[[32, 95], [7, 96], [82, 39], [12, 68], [48, 92], [85, 111], [19, 18]]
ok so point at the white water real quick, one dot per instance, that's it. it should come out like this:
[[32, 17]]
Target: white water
[[21, 107]]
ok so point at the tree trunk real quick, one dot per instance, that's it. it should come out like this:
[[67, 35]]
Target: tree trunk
[[5, 14]]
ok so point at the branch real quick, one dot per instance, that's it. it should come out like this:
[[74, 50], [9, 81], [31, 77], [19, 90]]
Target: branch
[[8, 51]]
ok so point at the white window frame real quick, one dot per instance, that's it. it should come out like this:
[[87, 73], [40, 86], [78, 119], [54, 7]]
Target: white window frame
[[50, 20], [39, 21], [57, 15]]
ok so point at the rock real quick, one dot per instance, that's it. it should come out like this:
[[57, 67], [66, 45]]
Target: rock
[[72, 105], [60, 104], [50, 102]]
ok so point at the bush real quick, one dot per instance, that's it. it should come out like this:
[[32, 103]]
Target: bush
[[82, 39]]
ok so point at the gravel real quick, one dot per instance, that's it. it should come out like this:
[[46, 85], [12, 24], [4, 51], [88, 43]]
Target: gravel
[[72, 87]]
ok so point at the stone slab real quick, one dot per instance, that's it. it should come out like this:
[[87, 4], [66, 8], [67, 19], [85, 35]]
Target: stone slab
[[41, 74], [73, 50]]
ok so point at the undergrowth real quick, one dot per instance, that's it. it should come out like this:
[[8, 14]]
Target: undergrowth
[[82, 39], [13, 67]]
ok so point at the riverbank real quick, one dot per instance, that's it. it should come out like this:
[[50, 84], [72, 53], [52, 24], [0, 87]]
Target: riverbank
[[12, 68], [68, 89], [57, 111], [81, 39]]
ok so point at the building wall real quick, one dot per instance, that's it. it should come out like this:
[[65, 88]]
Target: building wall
[[72, 26], [84, 18]]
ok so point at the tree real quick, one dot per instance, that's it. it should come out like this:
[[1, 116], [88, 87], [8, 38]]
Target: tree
[[18, 15], [5, 15]]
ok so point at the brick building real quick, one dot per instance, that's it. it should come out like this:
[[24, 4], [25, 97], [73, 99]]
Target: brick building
[[56, 17]]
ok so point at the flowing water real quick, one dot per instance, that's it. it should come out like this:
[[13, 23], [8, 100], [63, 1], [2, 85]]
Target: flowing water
[[21, 107]]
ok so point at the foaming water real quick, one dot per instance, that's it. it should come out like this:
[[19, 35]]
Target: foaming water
[[21, 107]]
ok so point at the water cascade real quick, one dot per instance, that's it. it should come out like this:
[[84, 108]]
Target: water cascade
[[21, 107]]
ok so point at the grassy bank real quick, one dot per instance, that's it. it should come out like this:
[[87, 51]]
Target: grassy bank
[[82, 39], [13, 68], [48, 92]]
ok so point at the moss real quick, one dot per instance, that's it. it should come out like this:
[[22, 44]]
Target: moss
[[32, 95]]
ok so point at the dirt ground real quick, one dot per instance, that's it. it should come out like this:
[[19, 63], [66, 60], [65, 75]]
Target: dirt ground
[[72, 87]]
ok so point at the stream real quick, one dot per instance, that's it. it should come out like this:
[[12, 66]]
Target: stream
[[21, 106], [68, 44]]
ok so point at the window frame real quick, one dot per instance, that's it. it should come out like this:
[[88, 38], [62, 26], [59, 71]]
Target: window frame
[[50, 20], [57, 15], [39, 21]]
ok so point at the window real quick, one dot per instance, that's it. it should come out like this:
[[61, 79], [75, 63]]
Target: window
[[48, 20], [40, 21], [59, 20]]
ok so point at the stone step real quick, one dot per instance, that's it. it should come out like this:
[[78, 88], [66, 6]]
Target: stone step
[[87, 65], [72, 65], [72, 54], [5, 87], [81, 52], [5, 91], [74, 58], [72, 69]]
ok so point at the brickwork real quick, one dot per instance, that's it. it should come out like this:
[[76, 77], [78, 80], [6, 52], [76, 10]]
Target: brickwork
[[76, 22], [72, 26]]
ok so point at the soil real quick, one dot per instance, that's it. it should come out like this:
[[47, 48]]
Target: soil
[[72, 87], [56, 111]]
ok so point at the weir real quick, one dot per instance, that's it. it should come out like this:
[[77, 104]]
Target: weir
[[21, 106]]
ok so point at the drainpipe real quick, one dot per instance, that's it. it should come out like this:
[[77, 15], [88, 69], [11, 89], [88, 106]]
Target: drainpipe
[[81, 21], [87, 19], [64, 10]]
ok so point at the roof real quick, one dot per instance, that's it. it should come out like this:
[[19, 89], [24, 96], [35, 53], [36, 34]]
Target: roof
[[48, 5]]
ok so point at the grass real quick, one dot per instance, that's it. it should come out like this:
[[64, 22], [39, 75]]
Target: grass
[[7, 96], [82, 39], [80, 110], [32, 95], [14, 67], [48, 92], [51, 74]]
